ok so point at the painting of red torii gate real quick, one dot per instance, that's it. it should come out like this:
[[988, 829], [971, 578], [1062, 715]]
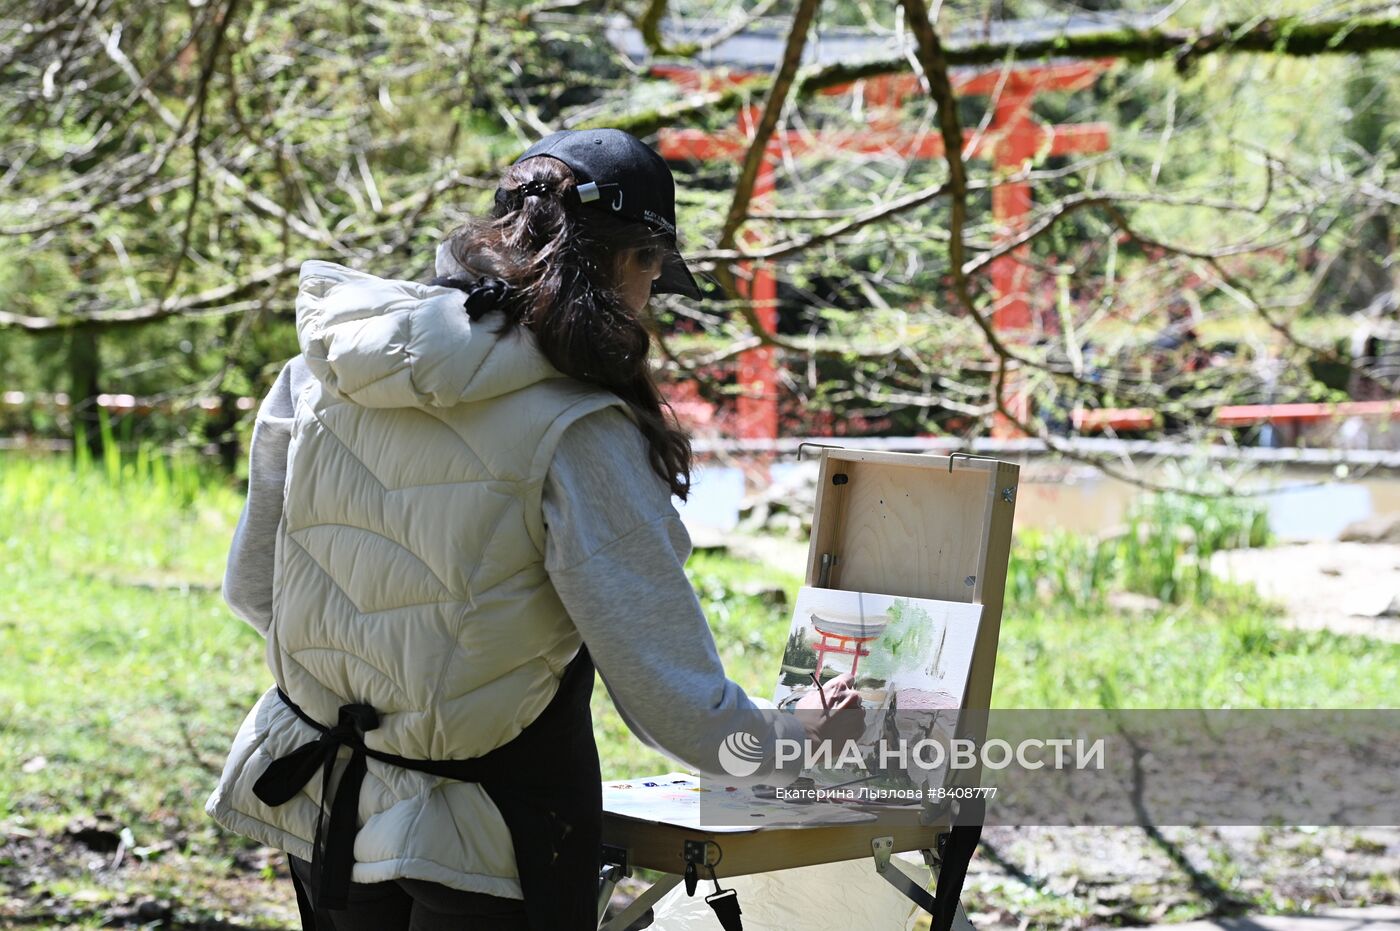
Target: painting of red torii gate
[[1012, 139]]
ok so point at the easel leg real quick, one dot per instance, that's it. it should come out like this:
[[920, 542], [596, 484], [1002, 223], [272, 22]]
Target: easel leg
[[607, 882], [881, 847], [614, 868], [642, 903]]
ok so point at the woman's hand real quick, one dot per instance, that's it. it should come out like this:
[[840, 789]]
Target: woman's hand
[[844, 721]]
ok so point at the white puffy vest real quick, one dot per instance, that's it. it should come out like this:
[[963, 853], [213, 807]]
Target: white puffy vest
[[410, 570]]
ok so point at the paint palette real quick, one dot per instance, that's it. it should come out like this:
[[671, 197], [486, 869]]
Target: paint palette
[[675, 798]]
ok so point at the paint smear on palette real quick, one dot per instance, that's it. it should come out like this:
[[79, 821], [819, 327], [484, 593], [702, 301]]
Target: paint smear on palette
[[674, 798]]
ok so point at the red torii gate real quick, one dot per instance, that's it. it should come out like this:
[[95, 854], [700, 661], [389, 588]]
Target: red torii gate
[[1012, 139]]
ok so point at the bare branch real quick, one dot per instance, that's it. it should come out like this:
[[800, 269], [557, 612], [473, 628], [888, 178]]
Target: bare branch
[[149, 312], [757, 152], [1294, 36]]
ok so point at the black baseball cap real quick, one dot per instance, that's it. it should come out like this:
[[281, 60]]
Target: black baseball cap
[[617, 172]]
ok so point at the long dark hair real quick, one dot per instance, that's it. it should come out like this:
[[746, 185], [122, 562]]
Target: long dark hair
[[560, 264]]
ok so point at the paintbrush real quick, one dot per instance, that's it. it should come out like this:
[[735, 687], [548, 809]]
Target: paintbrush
[[826, 709]]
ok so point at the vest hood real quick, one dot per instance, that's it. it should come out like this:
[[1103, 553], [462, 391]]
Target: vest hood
[[386, 343]]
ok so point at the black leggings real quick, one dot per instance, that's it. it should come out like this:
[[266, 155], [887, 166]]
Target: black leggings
[[413, 905]]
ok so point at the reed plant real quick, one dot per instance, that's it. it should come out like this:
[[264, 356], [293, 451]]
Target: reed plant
[[1163, 551]]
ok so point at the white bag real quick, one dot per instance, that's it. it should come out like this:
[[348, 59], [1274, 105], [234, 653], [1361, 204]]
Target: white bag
[[844, 896]]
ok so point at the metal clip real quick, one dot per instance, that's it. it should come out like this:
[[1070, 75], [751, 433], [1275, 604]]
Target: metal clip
[[882, 847], [616, 857], [953, 456], [803, 446], [702, 852]]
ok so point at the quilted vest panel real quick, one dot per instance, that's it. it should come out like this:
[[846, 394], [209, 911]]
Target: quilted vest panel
[[410, 571], [412, 574]]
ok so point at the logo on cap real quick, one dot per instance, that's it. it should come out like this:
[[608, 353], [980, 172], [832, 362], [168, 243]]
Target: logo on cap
[[617, 204], [656, 219]]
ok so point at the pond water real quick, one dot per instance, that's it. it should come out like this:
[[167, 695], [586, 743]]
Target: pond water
[[1303, 503]]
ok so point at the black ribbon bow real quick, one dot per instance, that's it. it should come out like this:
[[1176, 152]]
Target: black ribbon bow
[[333, 850], [484, 294]]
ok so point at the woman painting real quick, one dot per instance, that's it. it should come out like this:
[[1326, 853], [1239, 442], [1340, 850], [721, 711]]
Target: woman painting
[[459, 505]]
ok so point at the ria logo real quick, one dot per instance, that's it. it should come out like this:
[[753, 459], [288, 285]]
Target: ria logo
[[740, 754]]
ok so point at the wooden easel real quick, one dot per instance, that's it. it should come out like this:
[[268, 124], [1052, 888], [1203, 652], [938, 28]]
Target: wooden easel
[[891, 523]]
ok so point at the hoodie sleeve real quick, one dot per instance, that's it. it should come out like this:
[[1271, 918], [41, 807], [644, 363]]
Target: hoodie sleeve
[[616, 552], [247, 584]]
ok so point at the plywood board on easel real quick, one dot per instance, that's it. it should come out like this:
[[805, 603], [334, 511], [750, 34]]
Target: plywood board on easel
[[920, 526]]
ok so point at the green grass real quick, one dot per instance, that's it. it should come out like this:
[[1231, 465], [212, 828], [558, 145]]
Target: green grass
[[1220, 655], [122, 669]]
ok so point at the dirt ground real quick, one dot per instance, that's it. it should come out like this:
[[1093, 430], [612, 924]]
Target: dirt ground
[[1342, 587], [1094, 876]]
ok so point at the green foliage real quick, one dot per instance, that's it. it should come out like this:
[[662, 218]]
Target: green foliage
[[34, 284], [1164, 552], [1172, 537]]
